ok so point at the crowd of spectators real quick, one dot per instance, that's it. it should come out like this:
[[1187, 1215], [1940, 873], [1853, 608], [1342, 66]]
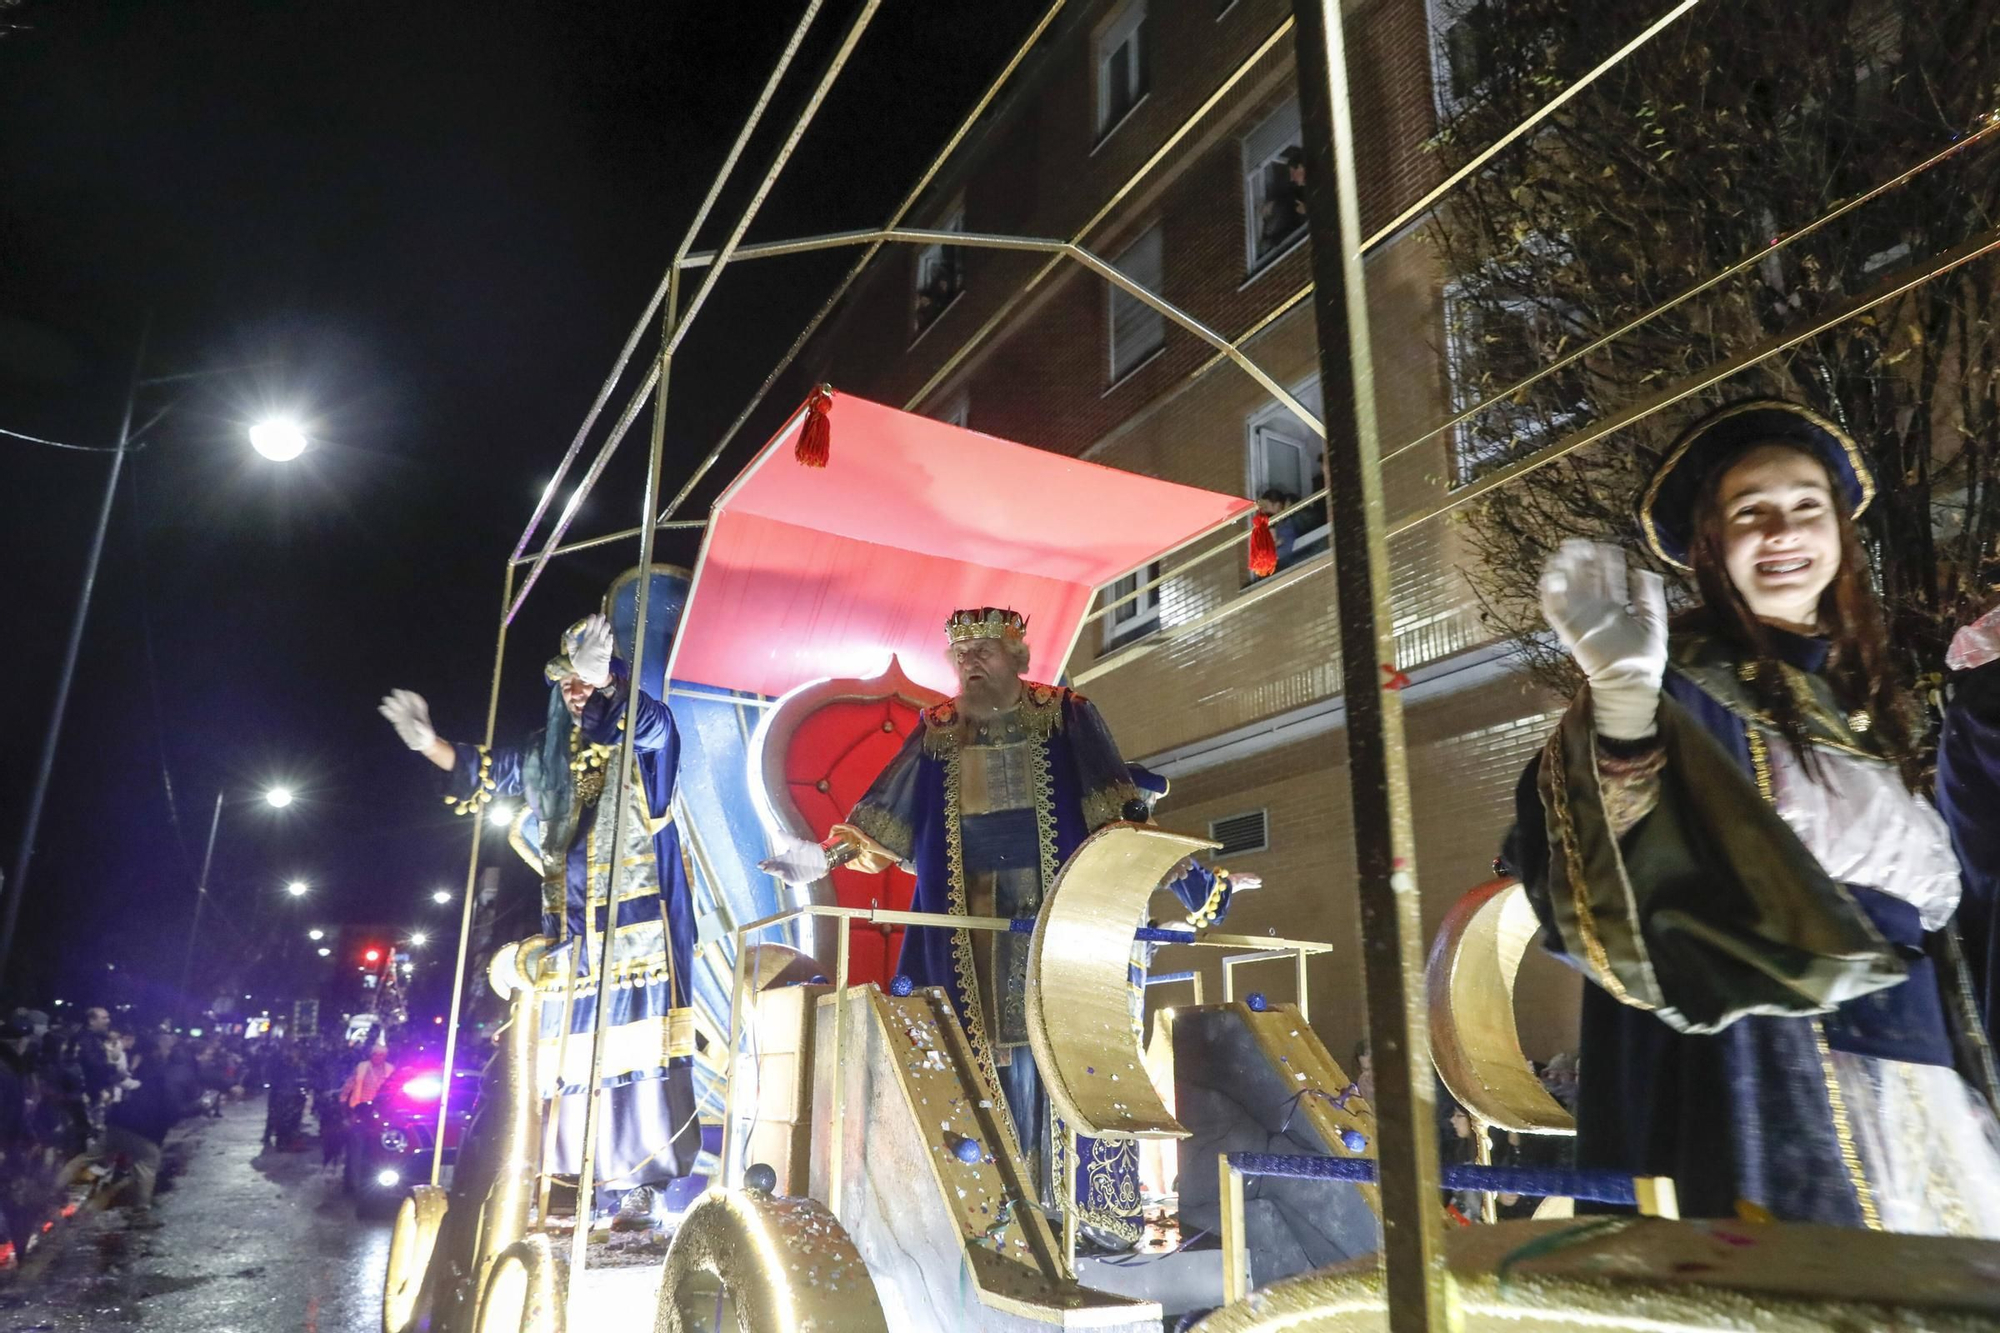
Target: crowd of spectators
[[86, 1106]]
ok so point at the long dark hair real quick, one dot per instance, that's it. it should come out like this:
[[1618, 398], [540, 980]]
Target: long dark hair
[[1858, 664]]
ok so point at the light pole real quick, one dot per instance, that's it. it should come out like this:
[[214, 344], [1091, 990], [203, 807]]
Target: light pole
[[276, 440], [277, 798]]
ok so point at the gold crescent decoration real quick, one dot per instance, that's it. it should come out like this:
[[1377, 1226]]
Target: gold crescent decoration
[[786, 1263], [1079, 990], [1474, 1039]]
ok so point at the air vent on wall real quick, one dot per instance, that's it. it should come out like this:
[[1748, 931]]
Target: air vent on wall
[[1240, 833]]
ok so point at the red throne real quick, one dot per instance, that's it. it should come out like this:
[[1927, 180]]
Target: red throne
[[819, 749]]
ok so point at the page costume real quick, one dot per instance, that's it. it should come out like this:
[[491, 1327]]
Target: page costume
[[649, 1132], [1780, 1018]]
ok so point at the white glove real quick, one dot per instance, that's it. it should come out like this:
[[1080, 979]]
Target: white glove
[[591, 658], [1976, 644], [411, 717], [1622, 648], [800, 863]]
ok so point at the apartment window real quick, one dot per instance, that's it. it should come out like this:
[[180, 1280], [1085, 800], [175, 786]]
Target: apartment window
[[1493, 342], [1126, 621], [1274, 186], [1284, 466], [1137, 329], [940, 276], [1121, 65]]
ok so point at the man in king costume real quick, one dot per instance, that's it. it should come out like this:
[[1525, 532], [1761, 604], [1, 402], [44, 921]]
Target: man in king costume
[[648, 1130], [988, 796]]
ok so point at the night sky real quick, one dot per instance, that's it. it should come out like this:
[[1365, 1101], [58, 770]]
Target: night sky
[[426, 230]]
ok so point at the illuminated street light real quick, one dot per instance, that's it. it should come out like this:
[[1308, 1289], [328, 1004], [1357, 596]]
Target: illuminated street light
[[315, 934], [418, 939], [279, 439], [297, 888], [325, 952], [278, 797], [499, 814], [441, 897]]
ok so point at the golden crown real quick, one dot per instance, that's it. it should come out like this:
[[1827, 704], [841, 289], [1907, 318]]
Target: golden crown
[[986, 622]]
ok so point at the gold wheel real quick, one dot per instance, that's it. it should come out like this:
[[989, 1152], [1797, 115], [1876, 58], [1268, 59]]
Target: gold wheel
[[780, 1264], [410, 1246], [524, 1291]]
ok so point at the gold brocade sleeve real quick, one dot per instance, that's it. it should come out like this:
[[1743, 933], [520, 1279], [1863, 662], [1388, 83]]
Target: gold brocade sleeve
[[1709, 908]]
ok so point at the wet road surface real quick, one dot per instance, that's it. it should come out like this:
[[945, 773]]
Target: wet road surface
[[247, 1242]]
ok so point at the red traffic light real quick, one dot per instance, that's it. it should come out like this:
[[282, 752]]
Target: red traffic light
[[371, 955]]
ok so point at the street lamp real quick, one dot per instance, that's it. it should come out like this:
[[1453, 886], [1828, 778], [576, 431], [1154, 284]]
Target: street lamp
[[315, 934], [278, 438], [418, 939], [17, 883], [441, 897], [297, 888], [201, 885], [499, 815], [324, 951], [278, 797]]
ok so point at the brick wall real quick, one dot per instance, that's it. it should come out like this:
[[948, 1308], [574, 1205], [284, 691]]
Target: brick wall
[[1466, 754]]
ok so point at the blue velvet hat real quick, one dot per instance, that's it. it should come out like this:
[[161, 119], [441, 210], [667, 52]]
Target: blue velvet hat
[[1666, 506]]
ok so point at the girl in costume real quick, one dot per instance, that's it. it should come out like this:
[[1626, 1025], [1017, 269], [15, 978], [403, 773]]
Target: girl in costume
[[1723, 836]]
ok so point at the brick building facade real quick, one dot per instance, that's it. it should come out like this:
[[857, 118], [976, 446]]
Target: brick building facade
[[1153, 133]]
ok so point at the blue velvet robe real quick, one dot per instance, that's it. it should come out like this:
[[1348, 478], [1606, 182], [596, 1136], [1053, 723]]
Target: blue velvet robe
[[1968, 796], [911, 811], [1745, 1114], [652, 1134]]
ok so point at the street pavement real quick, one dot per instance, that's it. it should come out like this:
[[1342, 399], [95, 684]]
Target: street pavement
[[247, 1242]]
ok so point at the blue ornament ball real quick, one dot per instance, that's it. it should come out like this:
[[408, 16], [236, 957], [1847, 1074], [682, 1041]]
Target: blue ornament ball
[[969, 1151], [760, 1178], [818, 979], [1258, 1004], [1353, 1140], [901, 985]]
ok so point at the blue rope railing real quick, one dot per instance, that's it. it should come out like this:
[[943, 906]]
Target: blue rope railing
[[1025, 925], [1593, 1186], [1166, 978]]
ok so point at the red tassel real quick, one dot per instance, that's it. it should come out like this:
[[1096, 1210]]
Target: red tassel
[[1263, 548], [815, 444]]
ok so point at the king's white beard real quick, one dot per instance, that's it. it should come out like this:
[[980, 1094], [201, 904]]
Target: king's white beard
[[993, 695]]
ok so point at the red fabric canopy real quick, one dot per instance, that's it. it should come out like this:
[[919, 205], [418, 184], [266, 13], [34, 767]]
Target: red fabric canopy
[[807, 573]]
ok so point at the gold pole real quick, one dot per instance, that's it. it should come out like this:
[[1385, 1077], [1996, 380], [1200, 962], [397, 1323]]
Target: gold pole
[[1419, 1288], [731, 1173], [837, 1140], [1299, 979], [552, 1109], [471, 890], [1068, 1201], [593, 1092], [1235, 1262]]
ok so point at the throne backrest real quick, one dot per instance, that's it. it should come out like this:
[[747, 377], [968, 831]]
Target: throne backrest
[[819, 749]]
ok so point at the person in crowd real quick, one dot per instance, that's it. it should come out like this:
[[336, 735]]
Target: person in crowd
[[136, 1126], [368, 1077], [285, 1111], [1725, 836], [94, 1056]]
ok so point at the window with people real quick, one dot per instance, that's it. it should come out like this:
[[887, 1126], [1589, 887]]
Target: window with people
[[1286, 465], [940, 276], [1274, 186]]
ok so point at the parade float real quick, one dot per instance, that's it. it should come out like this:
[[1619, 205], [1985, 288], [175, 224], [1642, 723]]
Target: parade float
[[861, 1176]]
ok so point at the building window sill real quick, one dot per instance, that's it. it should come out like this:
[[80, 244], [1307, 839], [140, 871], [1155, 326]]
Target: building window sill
[[1271, 260], [1104, 135], [1144, 361], [936, 319]]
